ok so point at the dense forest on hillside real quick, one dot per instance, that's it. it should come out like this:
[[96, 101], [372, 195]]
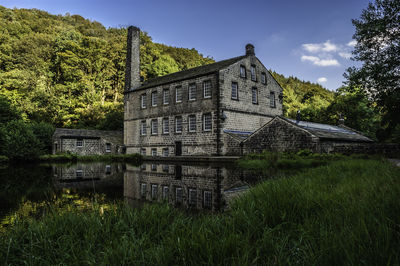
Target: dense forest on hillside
[[68, 71]]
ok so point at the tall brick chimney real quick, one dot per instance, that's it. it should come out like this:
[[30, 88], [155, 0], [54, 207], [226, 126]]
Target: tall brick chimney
[[132, 74]]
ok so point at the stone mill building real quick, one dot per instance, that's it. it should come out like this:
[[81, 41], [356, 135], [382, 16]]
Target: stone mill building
[[207, 110]]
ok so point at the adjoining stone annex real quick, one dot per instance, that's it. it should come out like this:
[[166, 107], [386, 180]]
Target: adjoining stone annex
[[87, 142], [288, 135], [192, 112]]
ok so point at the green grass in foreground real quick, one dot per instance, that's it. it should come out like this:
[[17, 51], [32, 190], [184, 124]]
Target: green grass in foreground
[[347, 212]]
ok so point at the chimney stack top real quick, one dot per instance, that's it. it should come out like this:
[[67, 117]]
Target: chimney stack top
[[250, 49]]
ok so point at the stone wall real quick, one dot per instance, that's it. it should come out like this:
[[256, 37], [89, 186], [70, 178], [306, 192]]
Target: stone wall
[[193, 143], [386, 149], [278, 135], [231, 145]]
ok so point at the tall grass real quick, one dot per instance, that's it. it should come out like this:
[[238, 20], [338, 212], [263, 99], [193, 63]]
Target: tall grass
[[345, 213]]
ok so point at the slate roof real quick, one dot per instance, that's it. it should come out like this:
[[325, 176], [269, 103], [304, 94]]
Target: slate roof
[[190, 73], [325, 131], [240, 135], [115, 137]]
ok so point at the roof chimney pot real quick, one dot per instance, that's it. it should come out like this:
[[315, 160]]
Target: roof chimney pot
[[250, 49]]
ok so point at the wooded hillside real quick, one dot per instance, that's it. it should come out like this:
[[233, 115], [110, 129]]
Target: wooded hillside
[[69, 71]]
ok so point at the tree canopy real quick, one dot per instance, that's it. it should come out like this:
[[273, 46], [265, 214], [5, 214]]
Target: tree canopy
[[377, 33]]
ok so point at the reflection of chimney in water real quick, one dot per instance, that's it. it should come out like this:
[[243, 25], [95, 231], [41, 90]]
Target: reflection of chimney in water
[[132, 74]]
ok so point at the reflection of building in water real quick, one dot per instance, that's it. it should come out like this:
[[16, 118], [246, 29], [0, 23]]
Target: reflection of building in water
[[83, 174], [194, 186]]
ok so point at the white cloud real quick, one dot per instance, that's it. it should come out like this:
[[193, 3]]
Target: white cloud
[[320, 62], [345, 55], [352, 43], [322, 80], [320, 47]]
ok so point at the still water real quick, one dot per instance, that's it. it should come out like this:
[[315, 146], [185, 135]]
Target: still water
[[195, 187]]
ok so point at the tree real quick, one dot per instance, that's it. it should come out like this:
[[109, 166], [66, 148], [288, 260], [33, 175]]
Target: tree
[[378, 48]]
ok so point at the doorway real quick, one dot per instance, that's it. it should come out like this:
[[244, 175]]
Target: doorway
[[178, 148]]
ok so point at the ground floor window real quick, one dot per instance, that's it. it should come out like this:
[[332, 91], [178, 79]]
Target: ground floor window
[[79, 143], [165, 192], [192, 197], [143, 188], [154, 191], [207, 199], [108, 147], [153, 152], [165, 152]]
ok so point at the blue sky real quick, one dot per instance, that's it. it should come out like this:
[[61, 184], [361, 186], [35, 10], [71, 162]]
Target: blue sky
[[309, 39]]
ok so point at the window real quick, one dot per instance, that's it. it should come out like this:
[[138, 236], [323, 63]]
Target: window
[[79, 173], [143, 188], [207, 123], [263, 78], [192, 123], [272, 99], [166, 96], [178, 195], [192, 92], [143, 128], [154, 127], [192, 197], [165, 152], [154, 98], [143, 167], [108, 147], [254, 95], [79, 143], [153, 152], [165, 168], [165, 125], [143, 99], [108, 169], [207, 89], [253, 73], [178, 94], [207, 199], [235, 91], [154, 191], [143, 151], [165, 192], [242, 71], [178, 124], [153, 167]]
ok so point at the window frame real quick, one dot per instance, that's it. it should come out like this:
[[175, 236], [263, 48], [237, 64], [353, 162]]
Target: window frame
[[272, 99], [191, 96], [154, 100], [108, 147], [154, 126], [143, 151], [153, 152], [165, 152], [237, 91], [253, 76], [143, 101], [209, 88], [80, 143], [192, 198], [176, 94], [165, 125], [254, 89], [207, 199], [143, 128], [190, 123], [263, 78], [154, 191], [166, 96], [204, 122], [176, 124], [244, 71]]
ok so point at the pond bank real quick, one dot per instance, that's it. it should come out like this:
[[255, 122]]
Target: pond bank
[[346, 212]]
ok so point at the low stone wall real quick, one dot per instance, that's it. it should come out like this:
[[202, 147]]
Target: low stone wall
[[386, 149]]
